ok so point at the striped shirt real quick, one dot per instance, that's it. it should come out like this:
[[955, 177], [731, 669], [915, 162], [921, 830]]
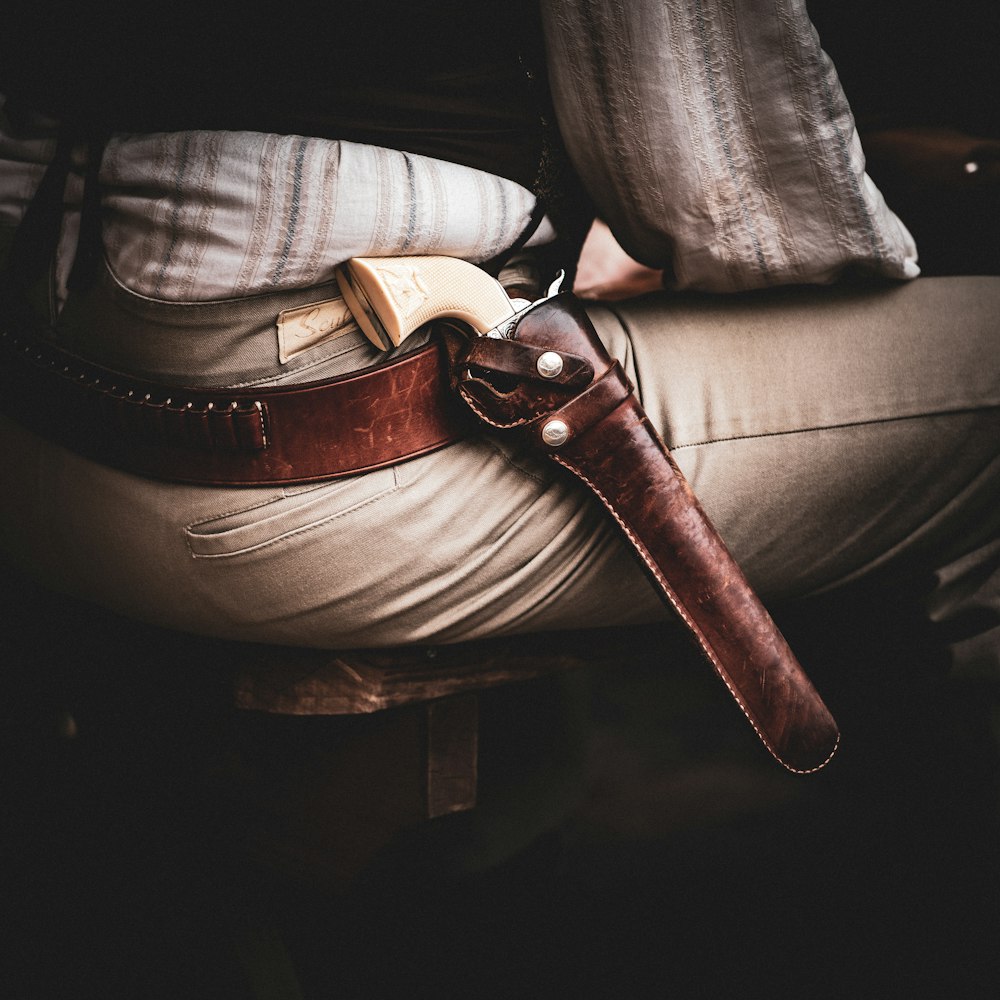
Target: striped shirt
[[199, 216]]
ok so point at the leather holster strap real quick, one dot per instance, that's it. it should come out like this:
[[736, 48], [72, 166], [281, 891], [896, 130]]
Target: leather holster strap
[[294, 434], [608, 443]]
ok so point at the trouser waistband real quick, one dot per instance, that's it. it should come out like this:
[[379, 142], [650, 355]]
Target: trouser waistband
[[268, 338]]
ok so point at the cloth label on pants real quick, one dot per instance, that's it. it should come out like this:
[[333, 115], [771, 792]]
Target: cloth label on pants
[[310, 325]]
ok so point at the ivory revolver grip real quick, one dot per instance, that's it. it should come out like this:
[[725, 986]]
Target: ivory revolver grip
[[392, 296]]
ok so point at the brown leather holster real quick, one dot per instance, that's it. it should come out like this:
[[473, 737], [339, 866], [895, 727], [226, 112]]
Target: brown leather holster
[[549, 377]]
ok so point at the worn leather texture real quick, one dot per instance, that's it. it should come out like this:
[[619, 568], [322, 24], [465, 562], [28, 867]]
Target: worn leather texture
[[612, 448], [293, 434]]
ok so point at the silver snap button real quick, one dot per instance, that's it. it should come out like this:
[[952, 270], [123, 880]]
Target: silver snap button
[[549, 365], [555, 433]]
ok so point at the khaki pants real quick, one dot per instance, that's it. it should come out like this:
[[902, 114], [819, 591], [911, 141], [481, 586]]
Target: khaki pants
[[828, 433]]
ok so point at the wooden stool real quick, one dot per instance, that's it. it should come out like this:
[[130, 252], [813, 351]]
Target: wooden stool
[[400, 747], [444, 680]]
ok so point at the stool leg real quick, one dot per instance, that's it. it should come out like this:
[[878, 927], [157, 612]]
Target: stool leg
[[452, 754]]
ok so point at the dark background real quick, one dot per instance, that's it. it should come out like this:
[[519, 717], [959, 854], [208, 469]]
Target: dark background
[[685, 862]]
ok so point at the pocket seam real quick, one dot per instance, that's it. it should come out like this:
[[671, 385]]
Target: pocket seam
[[284, 536], [233, 511]]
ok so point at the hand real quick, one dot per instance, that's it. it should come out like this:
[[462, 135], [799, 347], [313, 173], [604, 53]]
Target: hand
[[605, 271]]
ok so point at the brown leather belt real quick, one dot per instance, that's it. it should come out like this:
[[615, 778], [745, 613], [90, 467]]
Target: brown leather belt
[[292, 434]]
